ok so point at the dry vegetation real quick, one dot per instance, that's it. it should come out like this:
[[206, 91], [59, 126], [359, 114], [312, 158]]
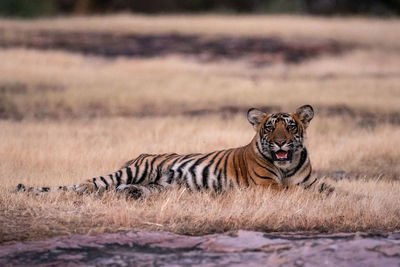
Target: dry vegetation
[[363, 31], [81, 117], [59, 84]]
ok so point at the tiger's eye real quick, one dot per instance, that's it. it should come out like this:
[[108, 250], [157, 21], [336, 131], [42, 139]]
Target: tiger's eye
[[291, 127], [269, 128]]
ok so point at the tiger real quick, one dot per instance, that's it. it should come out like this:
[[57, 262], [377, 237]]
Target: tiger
[[276, 157]]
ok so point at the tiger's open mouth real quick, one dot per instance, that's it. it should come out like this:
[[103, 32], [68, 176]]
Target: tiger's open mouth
[[282, 155]]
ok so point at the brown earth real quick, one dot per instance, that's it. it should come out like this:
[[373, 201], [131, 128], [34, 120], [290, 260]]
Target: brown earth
[[230, 249], [257, 50]]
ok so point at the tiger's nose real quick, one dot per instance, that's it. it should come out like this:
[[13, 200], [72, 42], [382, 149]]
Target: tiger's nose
[[280, 142]]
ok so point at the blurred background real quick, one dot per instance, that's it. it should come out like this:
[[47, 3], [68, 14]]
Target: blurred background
[[27, 8]]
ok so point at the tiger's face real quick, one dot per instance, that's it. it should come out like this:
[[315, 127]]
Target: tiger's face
[[281, 135]]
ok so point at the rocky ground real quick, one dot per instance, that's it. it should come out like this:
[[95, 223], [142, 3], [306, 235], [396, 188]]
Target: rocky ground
[[140, 248]]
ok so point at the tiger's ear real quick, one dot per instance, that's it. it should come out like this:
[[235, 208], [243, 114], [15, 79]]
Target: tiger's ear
[[255, 116], [305, 114]]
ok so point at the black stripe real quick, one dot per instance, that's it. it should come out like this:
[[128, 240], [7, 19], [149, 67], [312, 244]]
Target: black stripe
[[94, 182], [219, 161], [219, 185], [217, 168], [225, 166], [305, 179], [104, 181], [171, 176], [182, 177], [193, 168], [261, 132], [136, 174], [112, 178], [187, 156], [271, 171], [215, 187], [190, 156], [152, 163], [234, 167], [251, 177], [262, 177], [171, 171], [159, 168], [129, 175], [265, 157], [140, 159], [206, 172], [144, 174], [118, 176], [308, 186], [45, 189], [245, 168], [322, 188], [303, 157], [180, 170]]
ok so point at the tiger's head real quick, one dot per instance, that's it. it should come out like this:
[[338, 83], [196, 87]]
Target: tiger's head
[[280, 136]]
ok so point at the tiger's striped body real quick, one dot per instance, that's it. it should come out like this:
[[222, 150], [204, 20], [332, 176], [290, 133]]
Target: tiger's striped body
[[259, 163]]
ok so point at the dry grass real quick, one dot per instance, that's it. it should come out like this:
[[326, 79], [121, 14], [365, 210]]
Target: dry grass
[[94, 99], [183, 212], [48, 153], [364, 31], [61, 84]]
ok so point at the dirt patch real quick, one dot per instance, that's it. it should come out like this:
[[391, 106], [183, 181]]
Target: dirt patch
[[258, 51], [241, 247]]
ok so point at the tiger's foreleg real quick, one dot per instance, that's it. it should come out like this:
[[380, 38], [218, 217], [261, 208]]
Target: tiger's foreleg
[[320, 186]]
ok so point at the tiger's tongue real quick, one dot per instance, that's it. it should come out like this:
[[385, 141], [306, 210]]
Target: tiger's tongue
[[281, 154]]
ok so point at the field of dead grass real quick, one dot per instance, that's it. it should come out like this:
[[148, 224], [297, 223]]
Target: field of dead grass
[[364, 31], [49, 153], [49, 84], [67, 117]]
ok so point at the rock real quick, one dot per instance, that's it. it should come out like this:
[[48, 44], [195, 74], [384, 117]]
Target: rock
[[141, 248]]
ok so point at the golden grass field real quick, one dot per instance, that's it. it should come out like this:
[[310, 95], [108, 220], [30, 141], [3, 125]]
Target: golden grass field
[[69, 117]]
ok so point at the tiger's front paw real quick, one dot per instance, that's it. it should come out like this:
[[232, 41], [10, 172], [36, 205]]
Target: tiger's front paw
[[326, 189], [20, 187]]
